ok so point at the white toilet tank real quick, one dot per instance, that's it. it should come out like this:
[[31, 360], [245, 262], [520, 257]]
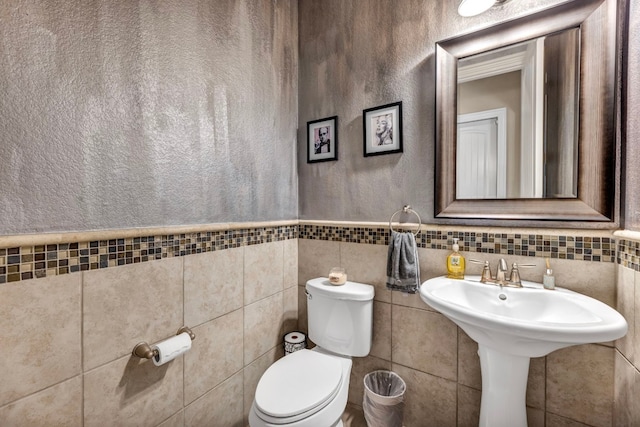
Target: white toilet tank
[[340, 317]]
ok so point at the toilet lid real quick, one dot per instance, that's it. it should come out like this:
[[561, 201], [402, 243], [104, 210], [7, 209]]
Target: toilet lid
[[298, 383]]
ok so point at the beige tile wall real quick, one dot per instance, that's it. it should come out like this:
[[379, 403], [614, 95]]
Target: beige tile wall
[[627, 357], [439, 361], [66, 341]]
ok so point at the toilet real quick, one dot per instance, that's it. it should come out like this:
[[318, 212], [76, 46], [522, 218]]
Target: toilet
[[309, 388]]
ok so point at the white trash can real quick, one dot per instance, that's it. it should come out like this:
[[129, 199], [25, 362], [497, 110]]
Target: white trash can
[[383, 401]]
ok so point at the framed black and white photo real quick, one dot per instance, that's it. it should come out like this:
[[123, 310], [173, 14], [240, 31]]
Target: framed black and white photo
[[382, 129], [322, 140]]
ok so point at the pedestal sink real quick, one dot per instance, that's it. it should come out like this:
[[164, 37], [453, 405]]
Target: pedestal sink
[[511, 325]]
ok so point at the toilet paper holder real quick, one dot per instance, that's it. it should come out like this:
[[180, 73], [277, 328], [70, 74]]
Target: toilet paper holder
[[144, 350]]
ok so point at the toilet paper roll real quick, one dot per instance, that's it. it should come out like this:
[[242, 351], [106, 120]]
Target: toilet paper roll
[[171, 348], [294, 341]]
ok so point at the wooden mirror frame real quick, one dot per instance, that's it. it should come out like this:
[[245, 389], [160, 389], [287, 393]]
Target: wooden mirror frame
[[598, 152]]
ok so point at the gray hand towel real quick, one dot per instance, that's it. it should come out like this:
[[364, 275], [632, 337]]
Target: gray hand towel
[[403, 268]]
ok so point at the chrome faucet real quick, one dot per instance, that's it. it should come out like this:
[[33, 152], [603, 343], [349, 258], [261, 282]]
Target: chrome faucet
[[500, 277], [501, 272]]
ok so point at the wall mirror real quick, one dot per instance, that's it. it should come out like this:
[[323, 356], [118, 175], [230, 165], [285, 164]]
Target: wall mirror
[[526, 118]]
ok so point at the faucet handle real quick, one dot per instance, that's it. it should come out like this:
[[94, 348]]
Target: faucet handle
[[515, 273], [485, 277], [514, 277], [486, 273]]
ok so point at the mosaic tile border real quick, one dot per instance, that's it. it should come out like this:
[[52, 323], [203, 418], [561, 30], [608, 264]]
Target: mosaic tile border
[[28, 262], [628, 254], [597, 249]]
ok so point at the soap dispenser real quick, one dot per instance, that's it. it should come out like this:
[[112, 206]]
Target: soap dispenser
[[548, 280], [455, 263]]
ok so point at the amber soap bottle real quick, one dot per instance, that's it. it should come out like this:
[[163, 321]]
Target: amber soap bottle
[[455, 263]]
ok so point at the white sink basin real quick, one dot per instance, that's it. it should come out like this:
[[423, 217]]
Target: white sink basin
[[512, 325], [529, 321]]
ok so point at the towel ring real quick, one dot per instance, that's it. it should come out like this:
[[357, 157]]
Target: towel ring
[[406, 209]]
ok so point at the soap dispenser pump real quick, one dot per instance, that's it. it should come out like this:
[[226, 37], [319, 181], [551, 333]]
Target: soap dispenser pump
[[455, 263]]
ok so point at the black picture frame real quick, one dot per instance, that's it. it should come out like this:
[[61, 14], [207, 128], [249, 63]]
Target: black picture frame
[[386, 139], [322, 140]]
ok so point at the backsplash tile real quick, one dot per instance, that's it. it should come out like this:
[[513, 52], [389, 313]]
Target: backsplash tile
[[37, 261], [28, 262], [628, 254], [585, 248]]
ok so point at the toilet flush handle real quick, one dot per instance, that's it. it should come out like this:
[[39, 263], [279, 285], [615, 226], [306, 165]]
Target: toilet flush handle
[[309, 296]]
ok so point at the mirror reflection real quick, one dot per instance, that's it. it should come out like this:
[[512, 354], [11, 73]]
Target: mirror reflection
[[517, 120]]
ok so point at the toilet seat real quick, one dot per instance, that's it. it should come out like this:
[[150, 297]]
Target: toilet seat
[[297, 386]]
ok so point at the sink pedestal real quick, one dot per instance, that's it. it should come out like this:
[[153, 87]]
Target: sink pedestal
[[504, 388], [512, 325]]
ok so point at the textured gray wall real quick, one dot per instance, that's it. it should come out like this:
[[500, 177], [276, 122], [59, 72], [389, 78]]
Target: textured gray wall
[[357, 54], [632, 193], [121, 113], [118, 114]]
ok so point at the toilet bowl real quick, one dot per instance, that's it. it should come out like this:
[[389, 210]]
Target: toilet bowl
[[308, 388]]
